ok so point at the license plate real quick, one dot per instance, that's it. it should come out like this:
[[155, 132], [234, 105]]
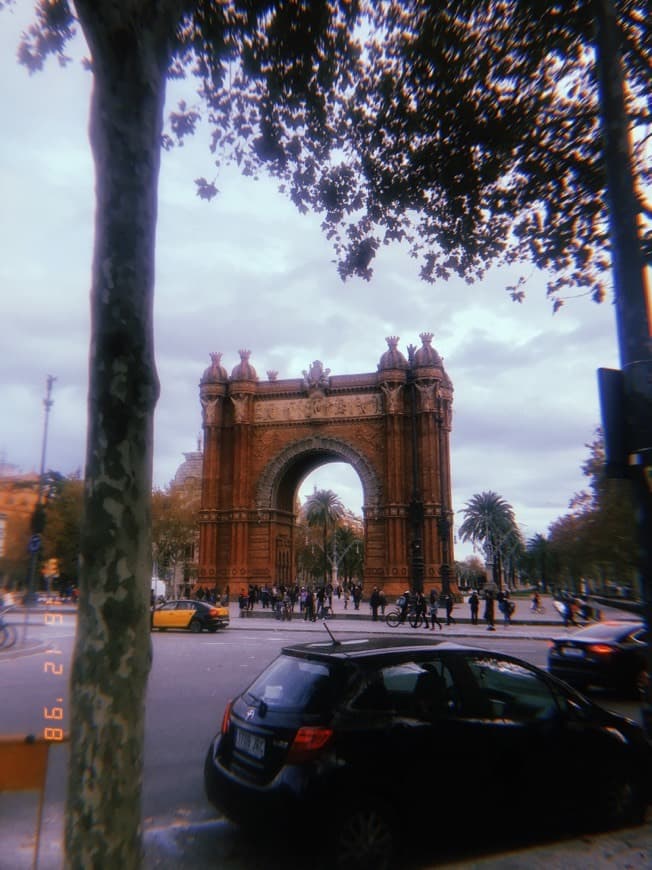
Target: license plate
[[250, 743], [572, 652]]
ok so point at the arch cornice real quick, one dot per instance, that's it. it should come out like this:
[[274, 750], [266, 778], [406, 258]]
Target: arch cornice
[[317, 445]]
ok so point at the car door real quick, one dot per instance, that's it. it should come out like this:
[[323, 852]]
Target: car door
[[184, 613], [401, 737], [172, 614], [515, 732]]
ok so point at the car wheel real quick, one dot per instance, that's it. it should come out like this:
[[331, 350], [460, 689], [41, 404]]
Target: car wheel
[[365, 839], [620, 801], [195, 626]]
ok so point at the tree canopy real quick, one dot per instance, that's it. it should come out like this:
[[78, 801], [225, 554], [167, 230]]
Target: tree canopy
[[597, 539], [468, 129], [323, 508]]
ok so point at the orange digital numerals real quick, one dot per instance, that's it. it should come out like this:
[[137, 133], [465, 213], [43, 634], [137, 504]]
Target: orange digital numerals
[[53, 712], [53, 733]]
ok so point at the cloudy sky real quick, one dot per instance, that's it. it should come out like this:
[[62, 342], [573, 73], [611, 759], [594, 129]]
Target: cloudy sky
[[247, 271]]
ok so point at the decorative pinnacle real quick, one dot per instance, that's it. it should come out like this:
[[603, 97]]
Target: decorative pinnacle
[[426, 337], [392, 341]]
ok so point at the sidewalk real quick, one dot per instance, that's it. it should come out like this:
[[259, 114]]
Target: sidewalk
[[524, 622]]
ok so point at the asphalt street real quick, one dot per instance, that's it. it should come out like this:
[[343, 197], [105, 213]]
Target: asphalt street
[[192, 844]]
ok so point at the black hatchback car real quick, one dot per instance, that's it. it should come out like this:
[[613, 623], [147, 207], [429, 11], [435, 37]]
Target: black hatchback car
[[380, 736], [610, 655]]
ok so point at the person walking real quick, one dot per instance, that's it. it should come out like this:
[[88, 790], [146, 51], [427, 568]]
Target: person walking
[[434, 605], [382, 600], [309, 607], [448, 599], [489, 610], [506, 607], [374, 602], [474, 604], [420, 610]]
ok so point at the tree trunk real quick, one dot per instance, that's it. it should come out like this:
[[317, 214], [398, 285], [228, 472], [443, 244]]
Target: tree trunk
[[112, 652]]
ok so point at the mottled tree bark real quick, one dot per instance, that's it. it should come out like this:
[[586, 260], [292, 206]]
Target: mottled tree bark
[[130, 51]]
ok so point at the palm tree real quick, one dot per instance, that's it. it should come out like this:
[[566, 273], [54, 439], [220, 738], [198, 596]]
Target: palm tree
[[324, 508], [489, 521]]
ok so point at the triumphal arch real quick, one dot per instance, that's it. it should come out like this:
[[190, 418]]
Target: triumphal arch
[[262, 438]]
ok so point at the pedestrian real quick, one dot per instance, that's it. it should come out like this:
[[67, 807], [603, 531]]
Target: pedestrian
[[506, 607], [357, 596], [383, 601], [448, 599], [309, 607], [420, 611], [474, 603], [434, 605], [403, 602], [489, 610], [374, 602]]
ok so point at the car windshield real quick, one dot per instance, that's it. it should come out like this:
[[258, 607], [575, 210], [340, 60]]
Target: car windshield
[[291, 683]]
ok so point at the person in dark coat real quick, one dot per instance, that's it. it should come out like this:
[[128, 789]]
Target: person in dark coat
[[489, 610], [449, 603], [374, 601], [474, 604], [420, 608]]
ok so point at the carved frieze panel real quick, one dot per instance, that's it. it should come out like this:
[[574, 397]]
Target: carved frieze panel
[[318, 407]]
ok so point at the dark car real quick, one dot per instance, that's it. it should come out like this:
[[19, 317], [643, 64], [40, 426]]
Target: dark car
[[381, 736], [610, 655], [190, 614]]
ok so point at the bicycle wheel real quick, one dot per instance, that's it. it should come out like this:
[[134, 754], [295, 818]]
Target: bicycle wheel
[[393, 618], [416, 621]]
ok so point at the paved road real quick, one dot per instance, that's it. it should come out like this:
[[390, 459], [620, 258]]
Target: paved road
[[197, 842]]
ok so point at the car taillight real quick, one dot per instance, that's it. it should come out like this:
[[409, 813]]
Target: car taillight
[[226, 718], [308, 742], [601, 649]]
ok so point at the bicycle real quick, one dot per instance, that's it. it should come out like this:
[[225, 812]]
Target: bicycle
[[393, 618], [8, 633]]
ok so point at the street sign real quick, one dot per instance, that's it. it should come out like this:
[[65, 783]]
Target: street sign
[[35, 543]]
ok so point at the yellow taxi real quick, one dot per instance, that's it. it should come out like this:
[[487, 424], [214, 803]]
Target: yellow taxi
[[190, 614]]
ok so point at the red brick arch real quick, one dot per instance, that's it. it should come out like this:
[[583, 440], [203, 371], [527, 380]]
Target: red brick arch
[[261, 440]]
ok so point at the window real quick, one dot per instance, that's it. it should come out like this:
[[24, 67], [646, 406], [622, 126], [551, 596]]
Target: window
[[416, 689], [295, 684], [506, 690]]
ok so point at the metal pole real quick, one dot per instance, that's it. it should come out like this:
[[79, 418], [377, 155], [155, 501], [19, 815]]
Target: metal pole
[[630, 296], [38, 517]]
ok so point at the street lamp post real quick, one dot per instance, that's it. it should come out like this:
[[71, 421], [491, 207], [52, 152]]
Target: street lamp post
[[38, 517]]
